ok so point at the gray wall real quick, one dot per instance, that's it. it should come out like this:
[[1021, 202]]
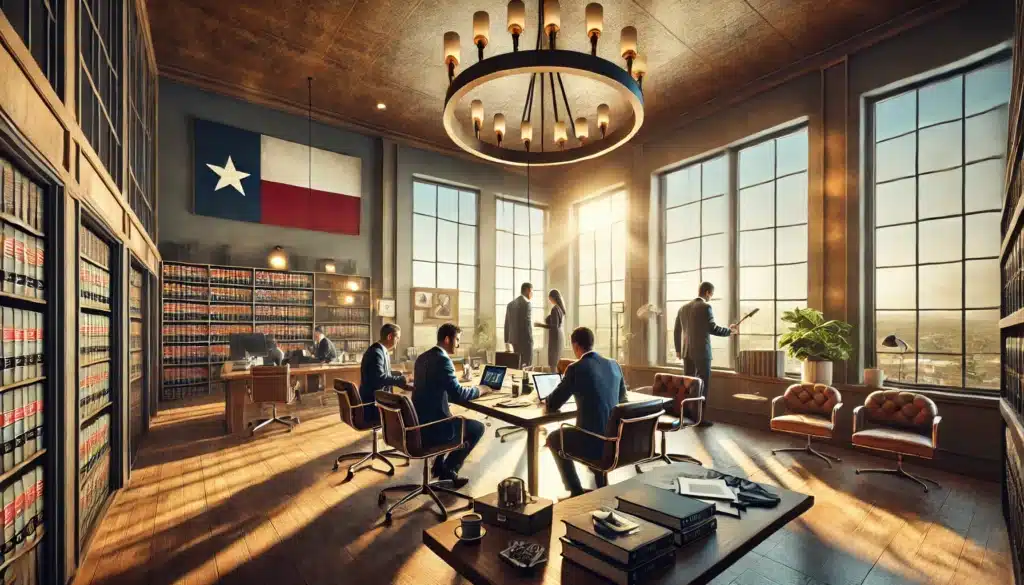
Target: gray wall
[[195, 238]]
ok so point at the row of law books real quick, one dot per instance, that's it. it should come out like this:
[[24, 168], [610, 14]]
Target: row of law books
[[93, 247], [22, 424], [22, 511], [22, 349], [93, 336], [22, 197], [93, 389], [640, 541], [94, 283], [23, 257]]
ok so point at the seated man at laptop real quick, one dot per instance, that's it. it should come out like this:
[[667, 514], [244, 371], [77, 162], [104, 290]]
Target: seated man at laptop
[[375, 370], [435, 385], [597, 384]]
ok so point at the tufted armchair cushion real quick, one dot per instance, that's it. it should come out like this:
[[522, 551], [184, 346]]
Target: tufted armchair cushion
[[679, 388], [563, 364], [897, 408], [899, 422], [809, 409]]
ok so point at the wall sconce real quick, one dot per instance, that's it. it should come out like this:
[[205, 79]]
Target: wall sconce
[[330, 267], [277, 259], [349, 299], [352, 285]]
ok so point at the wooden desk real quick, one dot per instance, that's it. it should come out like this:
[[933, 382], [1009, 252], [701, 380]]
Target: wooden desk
[[698, 562], [236, 392]]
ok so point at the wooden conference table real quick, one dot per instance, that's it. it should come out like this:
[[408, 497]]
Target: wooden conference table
[[236, 393], [698, 562], [531, 418]]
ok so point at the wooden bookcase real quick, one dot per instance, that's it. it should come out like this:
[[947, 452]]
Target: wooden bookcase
[[139, 334], [203, 304]]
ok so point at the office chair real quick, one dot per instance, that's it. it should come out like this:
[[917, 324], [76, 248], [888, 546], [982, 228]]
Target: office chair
[[903, 423], [353, 413], [272, 384], [403, 431], [809, 410], [628, 439], [562, 365], [684, 410]]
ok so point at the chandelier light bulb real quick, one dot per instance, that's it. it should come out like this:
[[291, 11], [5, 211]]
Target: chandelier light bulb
[[627, 42], [552, 20], [639, 69], [582, 129], [595, 24], [452, 51], [477, 111], [516, 21], [560, 134], [603, 116], [481, 32], [499, 127], [526, 133]]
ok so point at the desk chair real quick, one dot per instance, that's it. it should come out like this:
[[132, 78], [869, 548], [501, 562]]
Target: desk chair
[[809, 410], [562, 365], [898, 422], [628, 439], [351, 409], [403, 431], [272, 384], [685, 410]]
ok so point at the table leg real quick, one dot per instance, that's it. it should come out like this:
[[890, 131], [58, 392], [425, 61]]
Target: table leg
[[234, 412], [532, 458]]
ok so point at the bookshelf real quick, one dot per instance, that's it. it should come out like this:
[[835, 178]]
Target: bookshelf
[[203, 304], [138, 336], [25, 389]]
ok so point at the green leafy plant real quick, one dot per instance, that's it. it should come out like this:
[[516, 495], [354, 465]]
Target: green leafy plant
[[811, 337]]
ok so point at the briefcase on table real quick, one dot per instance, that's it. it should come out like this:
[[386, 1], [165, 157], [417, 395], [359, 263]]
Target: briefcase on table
[[527, 518]]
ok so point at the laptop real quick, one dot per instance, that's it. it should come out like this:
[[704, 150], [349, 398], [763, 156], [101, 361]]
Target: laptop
[[493, 377], [545, 384]]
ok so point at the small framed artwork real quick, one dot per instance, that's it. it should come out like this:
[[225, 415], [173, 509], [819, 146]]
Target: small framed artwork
[[386, 307], [435, 305]]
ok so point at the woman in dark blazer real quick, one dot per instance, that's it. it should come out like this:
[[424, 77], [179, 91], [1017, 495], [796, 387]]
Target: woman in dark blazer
[[555, 325]]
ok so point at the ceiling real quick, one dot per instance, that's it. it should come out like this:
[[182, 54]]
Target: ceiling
[[361, 52]]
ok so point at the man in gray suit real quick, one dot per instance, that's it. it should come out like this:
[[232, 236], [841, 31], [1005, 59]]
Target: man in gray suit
[[519, 326], [695, 324]]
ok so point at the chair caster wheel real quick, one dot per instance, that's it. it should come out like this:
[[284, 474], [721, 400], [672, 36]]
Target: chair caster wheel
[[336, 466], [497, 435], [391, 472], [349, 476], [387, 518], [381, 500]]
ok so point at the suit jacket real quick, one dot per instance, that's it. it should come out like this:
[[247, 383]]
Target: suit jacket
[[695, 324], [598, 385], [435, 384], [325, 350], [375, 374], [275, 355], [518, 327]]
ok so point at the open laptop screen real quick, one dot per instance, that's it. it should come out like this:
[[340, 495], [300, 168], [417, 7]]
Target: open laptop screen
[[545, 384], [493, 376]]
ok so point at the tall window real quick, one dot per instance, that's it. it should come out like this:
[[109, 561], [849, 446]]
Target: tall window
[[141, 106], [519, 258], [444, 240], [772, 215], [696, 245], [38, 23], [99, 80], [602, 270], [938, 154]]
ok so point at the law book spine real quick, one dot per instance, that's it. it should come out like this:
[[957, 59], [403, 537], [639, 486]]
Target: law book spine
[[8, 430], [30, 266], [19, 262], [40, 500], [29, 482], [30, 345], [8, 324], [9, 275], [8, 187], [9, 519], [16, 198], [697, 532], [19, 345], [39, 417], [19, 514], [40, 346], [19, 425], [30, 420]]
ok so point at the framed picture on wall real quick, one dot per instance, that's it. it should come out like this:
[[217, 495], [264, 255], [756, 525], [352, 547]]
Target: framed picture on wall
[[386, 307], [435, 305]]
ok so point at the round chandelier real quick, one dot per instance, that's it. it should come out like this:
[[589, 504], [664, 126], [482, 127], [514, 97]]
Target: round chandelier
[[563, 138]]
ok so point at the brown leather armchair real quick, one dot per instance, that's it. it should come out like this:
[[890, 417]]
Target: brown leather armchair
[[353, 413], [628, 438], [684, 409], [272, 384], [562, 365], [898, 422], [402, 431], [809, 410]]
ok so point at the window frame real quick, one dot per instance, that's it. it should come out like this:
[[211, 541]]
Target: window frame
[[52, 45], [869, 191], [616, 324], [103, 126], [538, 300]]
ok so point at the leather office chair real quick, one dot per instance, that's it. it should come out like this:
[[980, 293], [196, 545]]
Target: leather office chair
[[898, 422], [809, 410], [272, 384], [628, 439], [402, 431], [351, 409], [685, 410], [562, 364]]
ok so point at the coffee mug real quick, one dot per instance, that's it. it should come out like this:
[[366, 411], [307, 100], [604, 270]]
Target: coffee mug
[[470, 528]]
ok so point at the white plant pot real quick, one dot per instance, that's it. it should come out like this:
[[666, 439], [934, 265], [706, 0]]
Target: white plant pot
[[874, 377], [812, 372]]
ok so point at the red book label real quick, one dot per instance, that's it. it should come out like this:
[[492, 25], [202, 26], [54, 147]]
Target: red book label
[[9, 513]]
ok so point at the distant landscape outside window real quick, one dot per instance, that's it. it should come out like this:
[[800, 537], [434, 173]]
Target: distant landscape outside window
[[519, 258], [939, 160], [602, 269]]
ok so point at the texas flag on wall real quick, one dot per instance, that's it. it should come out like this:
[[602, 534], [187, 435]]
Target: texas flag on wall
[[246, 176]]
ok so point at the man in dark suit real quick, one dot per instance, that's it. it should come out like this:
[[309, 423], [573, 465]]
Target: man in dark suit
[[375, 370], [519, 325], [695, 324], [274, 354], [435, 385], [325, 350], [597, 384]]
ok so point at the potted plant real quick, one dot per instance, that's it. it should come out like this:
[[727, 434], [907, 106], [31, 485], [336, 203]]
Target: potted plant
[[817, 343], [483, 339]]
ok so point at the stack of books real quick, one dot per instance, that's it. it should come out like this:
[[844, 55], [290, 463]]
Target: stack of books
[[627, 558], [688, 518]]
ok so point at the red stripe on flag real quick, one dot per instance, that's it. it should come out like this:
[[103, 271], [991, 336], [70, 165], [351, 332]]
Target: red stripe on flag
[[301, 207]]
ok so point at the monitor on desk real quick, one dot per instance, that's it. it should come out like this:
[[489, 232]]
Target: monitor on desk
[[545, 384], [507, 359], [244, 345], [493, 377]]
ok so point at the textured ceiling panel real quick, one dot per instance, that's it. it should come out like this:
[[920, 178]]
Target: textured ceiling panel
[[364, 51]]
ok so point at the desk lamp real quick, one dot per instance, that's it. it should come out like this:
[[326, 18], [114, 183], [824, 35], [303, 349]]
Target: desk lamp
[[892, 341]]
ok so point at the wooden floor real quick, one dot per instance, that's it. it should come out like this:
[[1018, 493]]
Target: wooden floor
[[204, 508]]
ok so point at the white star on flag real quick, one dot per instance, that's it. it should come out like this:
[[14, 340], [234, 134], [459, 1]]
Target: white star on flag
[[229, 176]]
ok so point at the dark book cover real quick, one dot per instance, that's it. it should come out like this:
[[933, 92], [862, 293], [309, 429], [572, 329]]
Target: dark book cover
[[582, 563], [695, 533], [635, 548], [664, 507]]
